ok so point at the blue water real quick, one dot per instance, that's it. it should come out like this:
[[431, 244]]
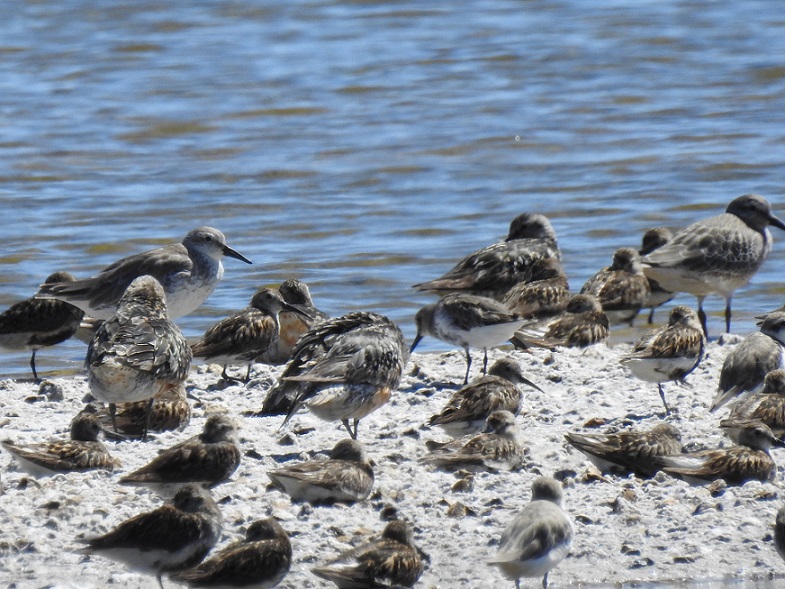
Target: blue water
[[366, 146]]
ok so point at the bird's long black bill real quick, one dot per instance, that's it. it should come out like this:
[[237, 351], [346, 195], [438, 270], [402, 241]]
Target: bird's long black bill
[[229, 252]]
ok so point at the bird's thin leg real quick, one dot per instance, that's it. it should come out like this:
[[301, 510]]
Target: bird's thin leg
[[147, 416], [32, 365], [702, 316], [485, 362], [727, 315], [356, 424], [545, 581], [160, 582], [112, 412], [662, 396], [352, 434], [248, 374], [468, 366], [651, 316]]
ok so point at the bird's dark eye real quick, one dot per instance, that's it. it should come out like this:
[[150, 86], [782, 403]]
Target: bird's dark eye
[[208, 238]]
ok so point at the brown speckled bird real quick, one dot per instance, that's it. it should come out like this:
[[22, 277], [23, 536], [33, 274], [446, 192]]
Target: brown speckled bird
[[583, 323], [621, 289]]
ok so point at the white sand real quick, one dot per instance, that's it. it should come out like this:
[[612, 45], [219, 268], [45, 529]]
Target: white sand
[[625, 529]]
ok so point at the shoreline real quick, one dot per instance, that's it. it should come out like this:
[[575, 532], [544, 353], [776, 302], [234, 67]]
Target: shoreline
[[659, 531]]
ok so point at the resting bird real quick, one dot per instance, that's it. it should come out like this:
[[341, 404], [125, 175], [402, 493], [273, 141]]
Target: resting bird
[[621, 289]]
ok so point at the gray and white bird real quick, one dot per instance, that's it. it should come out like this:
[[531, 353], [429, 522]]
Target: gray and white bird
[[538, 538], [188, 271], [467, 321], [36, 323], [621, 288], [260, 561], [242, 338], [354, 377], [139, 351], [390, 561], [716, 255], [495, 269], [766, 406], [207, 459], [669, 353], [469, 407], [173, 537]]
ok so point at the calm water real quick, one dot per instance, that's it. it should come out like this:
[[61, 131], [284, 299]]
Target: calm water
[[365, 146]]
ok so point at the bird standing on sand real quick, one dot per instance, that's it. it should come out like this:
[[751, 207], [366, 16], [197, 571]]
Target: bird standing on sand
[[83, 451], [717, 255], [188, 271], [36, 323], [494, 270], [207, 459], [467, 321], [170, 538], [621, 289], [243, 337], [668, 353], [357, 374], [539, 537], [390, 561], [139, 351], [469, 407], [260, 561]]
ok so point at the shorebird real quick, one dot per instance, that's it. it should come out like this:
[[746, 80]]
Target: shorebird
[[538, 538], [500, 447], [390, 561], [467, 321], [207, 459], [652, 240], [469, 407], [36, 323], [170, 538], [83, 451], [749, 460], [495, 269], [717, 255], [628, 451], [170, 411], [583, 323], [668, 353], [139, 351], [261, 561], [544, 295], [293, 323], [621, 289], [361, 367], [243, 337], [767, 406], [746, 366], [188, 271], [346, 476]]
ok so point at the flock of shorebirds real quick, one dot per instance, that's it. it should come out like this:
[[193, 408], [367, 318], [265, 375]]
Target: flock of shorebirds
[[342, 369]]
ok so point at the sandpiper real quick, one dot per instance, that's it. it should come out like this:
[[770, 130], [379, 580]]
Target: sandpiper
[[628, 451], [583, 323], [746, 366], [346, 476], [354, 377], [293, 323], [260, 561], [36, 323], [621, 289], [767, 406], [494, 270], [654, 239], [170, 538], [188, 271], [243, 337], [139, 351], [390, 561], [545, 294], [170, 411], [749, 460], [469, 407], [500, 447], [83, 451], [668, 353], [468, 321], [717, 255], [538, 538], [207, 459]]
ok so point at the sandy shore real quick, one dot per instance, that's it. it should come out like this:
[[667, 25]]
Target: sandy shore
[[626, 529]]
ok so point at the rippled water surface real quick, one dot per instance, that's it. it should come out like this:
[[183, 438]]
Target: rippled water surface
[[365, 146]]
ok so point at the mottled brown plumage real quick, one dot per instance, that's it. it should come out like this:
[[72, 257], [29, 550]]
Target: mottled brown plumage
[[621, 289], [583, 323], [767, 406], [545, 294]]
